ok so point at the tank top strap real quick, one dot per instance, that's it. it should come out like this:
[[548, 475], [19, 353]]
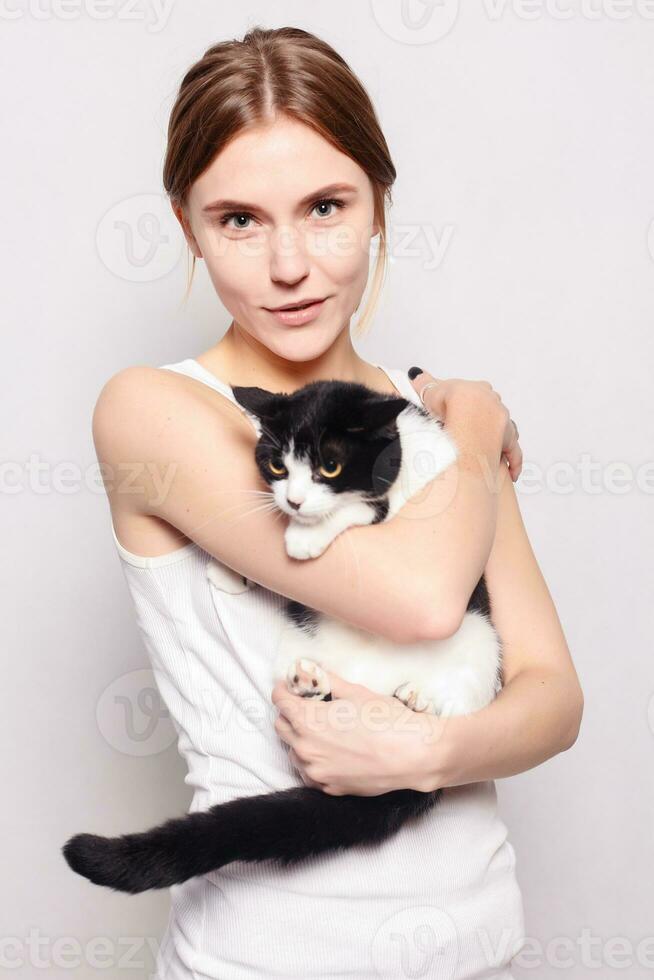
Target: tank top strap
[[193, 369], [402, 382]]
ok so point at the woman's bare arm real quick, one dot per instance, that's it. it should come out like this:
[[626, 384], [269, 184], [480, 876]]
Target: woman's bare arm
[[192, 464], [538, 712]]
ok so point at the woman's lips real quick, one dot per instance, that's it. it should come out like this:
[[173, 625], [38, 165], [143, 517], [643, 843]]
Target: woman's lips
[[296, 318]]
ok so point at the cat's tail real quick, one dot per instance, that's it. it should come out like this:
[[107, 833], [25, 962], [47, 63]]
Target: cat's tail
[[288, 826]]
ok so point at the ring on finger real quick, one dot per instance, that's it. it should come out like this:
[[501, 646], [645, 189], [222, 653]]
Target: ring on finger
[[430, 384]]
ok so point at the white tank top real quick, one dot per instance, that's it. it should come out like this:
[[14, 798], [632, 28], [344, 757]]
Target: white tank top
[[439, 899]]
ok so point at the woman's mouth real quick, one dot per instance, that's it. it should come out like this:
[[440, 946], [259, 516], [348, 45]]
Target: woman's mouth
[[299, 315]]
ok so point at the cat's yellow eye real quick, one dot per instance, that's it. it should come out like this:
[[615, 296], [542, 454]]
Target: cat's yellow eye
[[331, 470], [278, 471]]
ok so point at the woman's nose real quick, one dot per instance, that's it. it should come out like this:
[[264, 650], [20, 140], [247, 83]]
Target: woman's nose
[[289, 262]]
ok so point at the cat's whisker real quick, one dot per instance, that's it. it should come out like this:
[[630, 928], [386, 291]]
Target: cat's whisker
[[265, 505], [219, 516], [255, 510], [266, 499], [347, 542], [262, 493]]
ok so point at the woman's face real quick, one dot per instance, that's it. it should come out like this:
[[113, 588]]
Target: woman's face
[[272, 233]]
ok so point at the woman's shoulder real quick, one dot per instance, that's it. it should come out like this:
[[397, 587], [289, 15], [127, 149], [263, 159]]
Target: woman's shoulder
[[147, 381], [140, 405], [141, 387]]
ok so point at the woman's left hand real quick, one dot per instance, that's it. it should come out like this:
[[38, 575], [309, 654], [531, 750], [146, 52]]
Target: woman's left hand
[[361, 742]]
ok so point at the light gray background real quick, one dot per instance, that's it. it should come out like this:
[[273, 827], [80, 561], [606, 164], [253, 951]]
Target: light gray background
[[524, 146]]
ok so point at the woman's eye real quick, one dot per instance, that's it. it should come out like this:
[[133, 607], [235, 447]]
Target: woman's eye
[[330, 469], [236, 214], [277, 468], [331, 201]]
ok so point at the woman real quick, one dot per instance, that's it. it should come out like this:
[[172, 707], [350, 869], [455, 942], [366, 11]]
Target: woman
[[278, 173]]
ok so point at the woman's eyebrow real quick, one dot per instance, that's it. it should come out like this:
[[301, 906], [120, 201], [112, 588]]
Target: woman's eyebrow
[[228, 204]]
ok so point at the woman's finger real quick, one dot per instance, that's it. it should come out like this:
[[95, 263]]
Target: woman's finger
[[292, 707], [299, 766], [420, 379], [512, 451], [515, 461], [285, 730], [279, 691]]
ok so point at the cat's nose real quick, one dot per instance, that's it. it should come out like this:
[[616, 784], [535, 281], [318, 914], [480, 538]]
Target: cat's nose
[[294, 505]]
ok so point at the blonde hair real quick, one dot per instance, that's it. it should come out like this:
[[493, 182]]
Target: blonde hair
[[239, 84]]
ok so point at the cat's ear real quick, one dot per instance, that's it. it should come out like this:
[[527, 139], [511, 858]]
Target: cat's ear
[[259, 402], [377, 413]]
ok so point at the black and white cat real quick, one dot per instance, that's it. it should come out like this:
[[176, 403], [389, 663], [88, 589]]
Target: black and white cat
[[335, 454]]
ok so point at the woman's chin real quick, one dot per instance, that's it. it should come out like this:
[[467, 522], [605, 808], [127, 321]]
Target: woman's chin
[[302, 344]]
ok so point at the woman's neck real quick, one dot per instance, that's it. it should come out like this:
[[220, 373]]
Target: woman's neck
[[242, 360]]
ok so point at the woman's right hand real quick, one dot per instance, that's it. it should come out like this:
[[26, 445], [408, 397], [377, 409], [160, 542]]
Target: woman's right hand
[[484, 395]]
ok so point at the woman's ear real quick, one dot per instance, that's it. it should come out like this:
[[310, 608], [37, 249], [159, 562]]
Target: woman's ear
[[181, 216], [375, 227]]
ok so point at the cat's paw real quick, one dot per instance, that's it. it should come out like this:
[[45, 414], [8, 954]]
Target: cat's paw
[[308, 680], [305, 542], [409, 695]]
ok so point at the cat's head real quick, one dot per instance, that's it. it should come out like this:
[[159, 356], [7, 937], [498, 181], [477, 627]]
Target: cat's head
[[325, 444]]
